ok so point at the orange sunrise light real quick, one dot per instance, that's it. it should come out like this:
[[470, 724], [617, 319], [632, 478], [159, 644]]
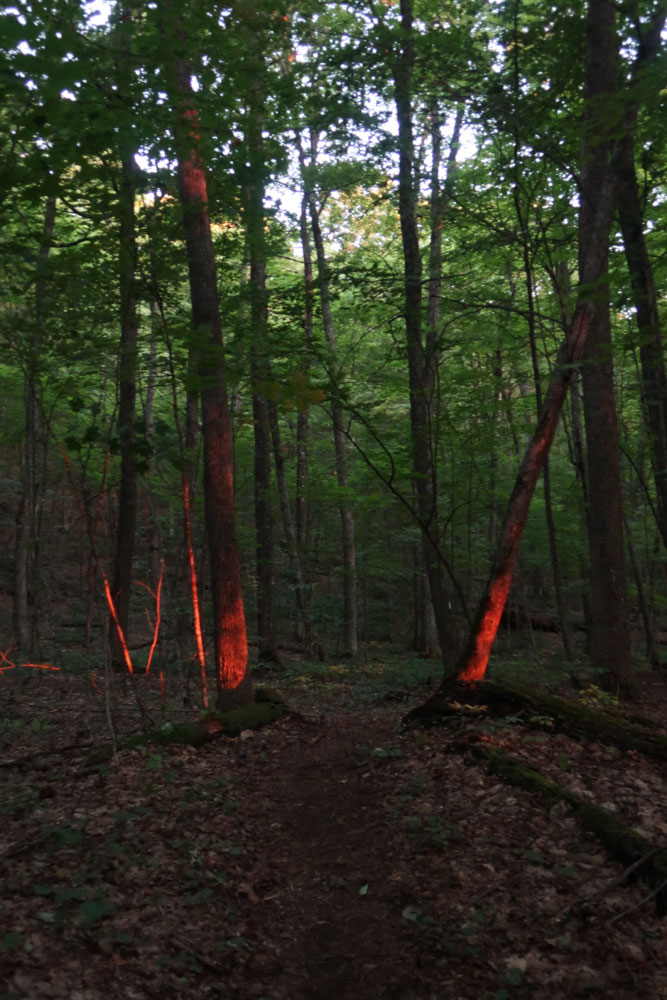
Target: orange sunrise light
[[233, 653], [157, 595], [121, 636], [196, 613]]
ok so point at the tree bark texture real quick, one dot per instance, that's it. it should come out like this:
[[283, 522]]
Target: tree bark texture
[[609, 638], [230, 639]]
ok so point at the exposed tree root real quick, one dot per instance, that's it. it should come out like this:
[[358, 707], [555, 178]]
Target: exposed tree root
[[623, 843], [571, 717]]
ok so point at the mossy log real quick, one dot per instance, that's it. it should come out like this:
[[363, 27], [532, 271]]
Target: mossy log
[[622, 842], [538, 707], [245, 717], [268, 708], [191, 734]]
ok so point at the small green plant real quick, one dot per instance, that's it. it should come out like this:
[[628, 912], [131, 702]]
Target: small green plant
[[596, 697]]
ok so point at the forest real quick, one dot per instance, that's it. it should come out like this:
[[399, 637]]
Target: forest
[[334, 499]]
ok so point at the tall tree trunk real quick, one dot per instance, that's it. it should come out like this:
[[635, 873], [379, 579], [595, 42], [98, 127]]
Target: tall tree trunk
[[651, 352], [259, 366], [302, 420], [230, 639], [121, 576], [609, 638], [421, 364], [304, 626], [127, 370], [339, 436], [26, 610]]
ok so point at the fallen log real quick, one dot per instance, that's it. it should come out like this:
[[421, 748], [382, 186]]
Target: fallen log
[[624, 844], [538, 707]]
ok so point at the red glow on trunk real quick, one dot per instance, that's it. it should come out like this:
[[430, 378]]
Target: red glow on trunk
[[201, 656], [121, 636], [193, 179], [233, 656], [157, 595], [477, 661]]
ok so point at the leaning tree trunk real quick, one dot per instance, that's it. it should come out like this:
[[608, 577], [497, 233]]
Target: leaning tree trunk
[[609, 637], [230, 639], [473, 662], [421, 365]]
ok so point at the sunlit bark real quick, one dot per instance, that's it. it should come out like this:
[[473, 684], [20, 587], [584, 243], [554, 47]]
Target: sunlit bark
[[230, 639], [474, 660]]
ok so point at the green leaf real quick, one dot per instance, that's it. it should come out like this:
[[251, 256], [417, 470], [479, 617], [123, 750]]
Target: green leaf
[[513, 976], [12, 940], [65, 836], [364, 890], [94, 910]]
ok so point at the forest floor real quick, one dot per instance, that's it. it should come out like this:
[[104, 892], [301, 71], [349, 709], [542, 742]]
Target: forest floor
[[329, 855]]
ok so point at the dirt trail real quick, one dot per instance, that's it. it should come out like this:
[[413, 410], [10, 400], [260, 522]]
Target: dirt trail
[[342, 903]]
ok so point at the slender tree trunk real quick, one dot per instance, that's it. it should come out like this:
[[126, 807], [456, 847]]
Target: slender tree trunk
[[548, 506], [652, 642], [421, 364], [230, 639], [27, 590], [127, 368], [304, 626], [303, 416], [259, 366], [651, 354], [609, 638], [339, 436], [631, 217]]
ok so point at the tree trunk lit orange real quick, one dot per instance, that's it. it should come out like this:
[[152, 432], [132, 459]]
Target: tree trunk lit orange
[[231, 647], [194, 590]]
